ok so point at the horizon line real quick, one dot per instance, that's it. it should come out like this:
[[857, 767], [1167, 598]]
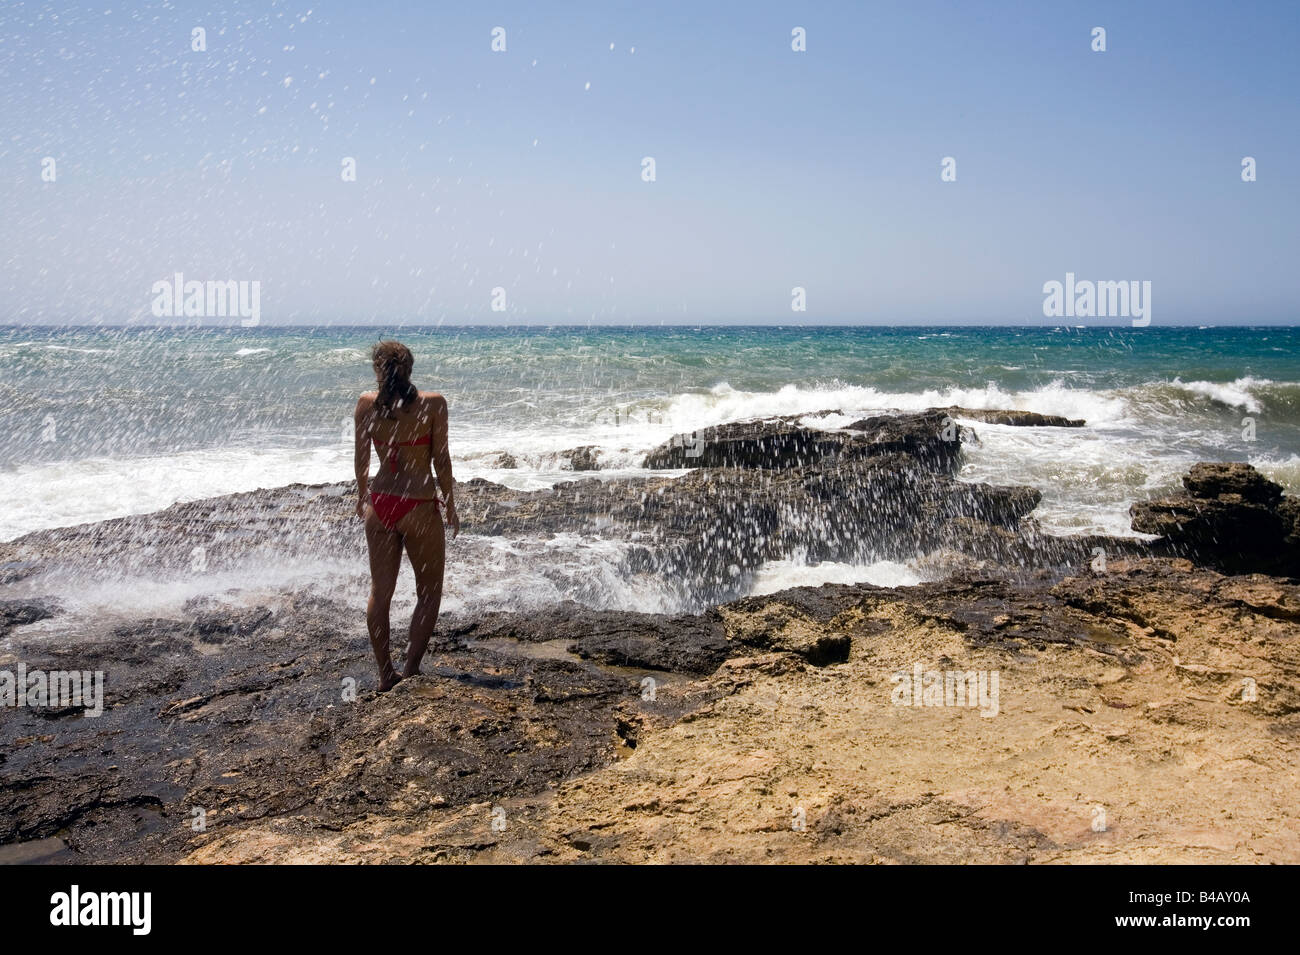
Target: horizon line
[[545, 326]]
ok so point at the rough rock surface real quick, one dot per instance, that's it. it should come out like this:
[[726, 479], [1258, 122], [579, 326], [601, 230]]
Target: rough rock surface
[[1023, 419], [1164, 694], [581, 459], [1145, 692], [1230, 517], [928, 438], [14, 613]]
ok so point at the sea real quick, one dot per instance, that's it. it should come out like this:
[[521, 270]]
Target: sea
[[98, 423]]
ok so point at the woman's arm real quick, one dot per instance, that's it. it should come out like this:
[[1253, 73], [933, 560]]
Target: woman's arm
[[442, 463], [361, 452]]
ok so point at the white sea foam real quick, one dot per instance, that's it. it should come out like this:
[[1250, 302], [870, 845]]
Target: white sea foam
[[724, 403], [94, 489], [81, 351], [493, 573], [1088, 478], [777, 575], [253, 583], [1283, 470], [483, 574], [1235, 394]]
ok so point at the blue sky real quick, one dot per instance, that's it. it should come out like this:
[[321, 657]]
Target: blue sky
[[775, 169]]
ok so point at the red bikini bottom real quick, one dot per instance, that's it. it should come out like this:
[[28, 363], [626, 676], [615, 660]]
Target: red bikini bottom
[[391, 508]]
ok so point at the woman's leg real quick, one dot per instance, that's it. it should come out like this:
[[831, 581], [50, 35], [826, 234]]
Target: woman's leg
[[426, 547], [385, 562]]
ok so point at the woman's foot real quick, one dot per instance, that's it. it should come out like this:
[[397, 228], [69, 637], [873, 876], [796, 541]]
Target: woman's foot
[[388, 679]]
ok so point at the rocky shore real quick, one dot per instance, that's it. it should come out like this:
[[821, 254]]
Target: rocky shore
[[1115, 699]]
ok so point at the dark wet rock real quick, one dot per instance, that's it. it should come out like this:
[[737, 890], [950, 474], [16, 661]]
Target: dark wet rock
[[682, 643], [17, 613], [1231, 517], [931, 437], [779, 442], [1211, 524], [218, 625], [1024, 419], [1014, 615], [278, 719], [1289, 511], [1215, 480], [793, 441], [505, 460], [581, 459]]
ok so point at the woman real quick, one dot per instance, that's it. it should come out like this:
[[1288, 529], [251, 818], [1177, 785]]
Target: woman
[[400, 505]]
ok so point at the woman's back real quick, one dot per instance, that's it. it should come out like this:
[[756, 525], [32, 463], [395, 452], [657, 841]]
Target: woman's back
[[404, 446]]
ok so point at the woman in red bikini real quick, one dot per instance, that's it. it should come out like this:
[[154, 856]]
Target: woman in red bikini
[[400, 505]]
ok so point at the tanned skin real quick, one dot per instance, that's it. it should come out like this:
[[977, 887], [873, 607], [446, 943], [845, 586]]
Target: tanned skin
[[420, 532]]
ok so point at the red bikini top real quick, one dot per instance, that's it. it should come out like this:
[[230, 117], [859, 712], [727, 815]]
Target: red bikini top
[[392, 454]]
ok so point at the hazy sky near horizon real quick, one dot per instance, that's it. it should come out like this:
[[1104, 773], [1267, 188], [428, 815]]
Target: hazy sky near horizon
[[774, 169]]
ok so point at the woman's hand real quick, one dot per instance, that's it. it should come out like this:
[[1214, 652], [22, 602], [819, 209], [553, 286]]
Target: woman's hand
[[361, 507], [453, 519]]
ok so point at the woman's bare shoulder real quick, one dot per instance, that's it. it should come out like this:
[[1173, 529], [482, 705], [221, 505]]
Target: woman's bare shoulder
[[435, 398]]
